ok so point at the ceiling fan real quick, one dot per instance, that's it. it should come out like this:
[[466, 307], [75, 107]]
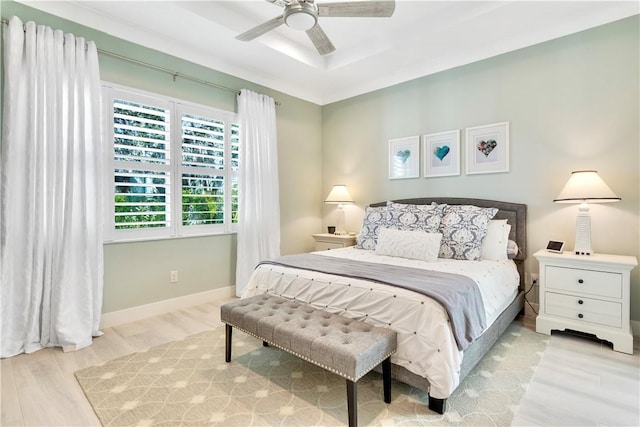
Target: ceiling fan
[[304, 14]]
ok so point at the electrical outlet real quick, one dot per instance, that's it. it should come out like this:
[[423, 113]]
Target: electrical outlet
[[530, 279], [173, 276]]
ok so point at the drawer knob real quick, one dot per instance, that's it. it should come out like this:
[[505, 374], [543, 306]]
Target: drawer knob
[[580, 281], [580, 301], [580, 315]]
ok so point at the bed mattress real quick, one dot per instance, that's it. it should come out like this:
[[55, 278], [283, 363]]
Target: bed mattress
[[426, 345]]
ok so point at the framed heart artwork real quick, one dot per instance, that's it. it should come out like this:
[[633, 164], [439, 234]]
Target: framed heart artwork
[[487, 148], [404, 157], [441, 153]]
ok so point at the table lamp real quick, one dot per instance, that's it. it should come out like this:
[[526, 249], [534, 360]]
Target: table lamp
[[339, 195], [585, 187]]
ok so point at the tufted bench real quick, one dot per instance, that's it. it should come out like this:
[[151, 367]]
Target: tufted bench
[[347, 347]]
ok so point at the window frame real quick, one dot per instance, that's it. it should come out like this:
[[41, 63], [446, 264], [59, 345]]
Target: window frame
[[175, 169]]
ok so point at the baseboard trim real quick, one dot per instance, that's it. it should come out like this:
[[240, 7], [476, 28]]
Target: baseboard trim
[[115, 318]]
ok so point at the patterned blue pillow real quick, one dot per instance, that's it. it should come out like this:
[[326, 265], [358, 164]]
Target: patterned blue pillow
[[463, 229], [401, 216], [374, 219]]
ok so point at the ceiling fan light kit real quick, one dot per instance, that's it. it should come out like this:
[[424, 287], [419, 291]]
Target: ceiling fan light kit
[[303, 15]]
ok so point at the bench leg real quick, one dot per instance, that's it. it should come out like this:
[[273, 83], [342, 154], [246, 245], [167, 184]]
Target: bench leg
[[352, 403], [386, 379], [227, 342]]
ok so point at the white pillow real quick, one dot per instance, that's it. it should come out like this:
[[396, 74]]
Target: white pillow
[[494, 245], [409, 244]]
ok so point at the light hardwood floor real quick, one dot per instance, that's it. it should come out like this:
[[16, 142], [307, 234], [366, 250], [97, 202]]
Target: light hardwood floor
[[582, 382], [578, 381]]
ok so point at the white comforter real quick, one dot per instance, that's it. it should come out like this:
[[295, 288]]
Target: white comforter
[[426, 345]]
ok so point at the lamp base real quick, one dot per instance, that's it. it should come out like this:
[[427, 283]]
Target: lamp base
[[340, 227], [583, 231]]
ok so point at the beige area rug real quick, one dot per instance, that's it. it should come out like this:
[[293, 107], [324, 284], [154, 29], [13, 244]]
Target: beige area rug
[[188, 383]]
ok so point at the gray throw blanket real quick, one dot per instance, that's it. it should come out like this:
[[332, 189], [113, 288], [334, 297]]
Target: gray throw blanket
[[458, 294]]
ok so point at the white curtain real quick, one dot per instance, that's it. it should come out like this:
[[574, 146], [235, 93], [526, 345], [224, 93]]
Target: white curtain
[[259, 205], [51, 212]]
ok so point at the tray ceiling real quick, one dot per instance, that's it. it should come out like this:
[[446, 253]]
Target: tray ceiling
[[421, 38]]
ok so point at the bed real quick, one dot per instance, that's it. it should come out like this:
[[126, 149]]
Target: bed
[[432, 356]]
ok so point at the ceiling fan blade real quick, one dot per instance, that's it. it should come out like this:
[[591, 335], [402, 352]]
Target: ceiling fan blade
[[320, 40], [372, 9], [281, 3], [261, 29]]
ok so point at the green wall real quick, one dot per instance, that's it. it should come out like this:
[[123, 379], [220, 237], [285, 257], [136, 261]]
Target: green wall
[[138, 273], [572, 103]]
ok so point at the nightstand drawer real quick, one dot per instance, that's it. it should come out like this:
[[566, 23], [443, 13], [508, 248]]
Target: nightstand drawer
[[325, 241], [584, 309], [325, 246], [584, 281]]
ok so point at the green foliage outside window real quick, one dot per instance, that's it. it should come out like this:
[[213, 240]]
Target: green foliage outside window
[[140, 215]]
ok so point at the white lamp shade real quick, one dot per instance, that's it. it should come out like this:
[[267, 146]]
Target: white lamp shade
[[339, 194], [586, 186]]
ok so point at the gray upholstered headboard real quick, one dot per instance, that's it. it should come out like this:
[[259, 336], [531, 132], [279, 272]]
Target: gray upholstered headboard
[[514, 213]]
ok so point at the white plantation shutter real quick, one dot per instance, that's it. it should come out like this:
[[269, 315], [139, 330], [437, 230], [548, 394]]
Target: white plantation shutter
[[235, 166], [142, 165], [141, 199], [205, 170], [174, 167], [203, 149], [141, 132], [202, 142]]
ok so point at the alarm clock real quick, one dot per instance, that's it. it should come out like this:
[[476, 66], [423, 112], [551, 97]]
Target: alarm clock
[[555, 246]]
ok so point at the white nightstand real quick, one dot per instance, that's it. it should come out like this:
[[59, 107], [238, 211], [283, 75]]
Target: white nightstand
[[587, 293], [325, 241]]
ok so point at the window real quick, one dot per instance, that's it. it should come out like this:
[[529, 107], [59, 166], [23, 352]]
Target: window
[[174, 167]]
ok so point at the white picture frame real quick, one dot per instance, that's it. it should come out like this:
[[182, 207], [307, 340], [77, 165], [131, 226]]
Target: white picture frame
[[404, 157], [487, 148], [441, 154]]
